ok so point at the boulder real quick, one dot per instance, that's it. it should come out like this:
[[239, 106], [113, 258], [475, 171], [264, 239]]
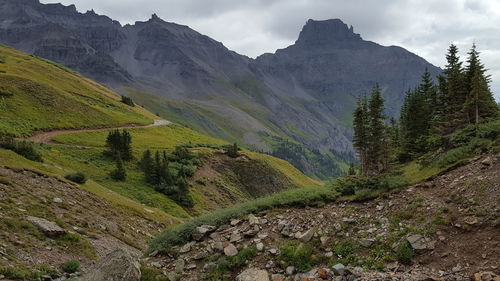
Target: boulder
[[51, 229], [201, 231], [338, 269], [306, 236], [186, 248], [117, 266], [253, 219], [230, 250], [419, 242], [253, 274]]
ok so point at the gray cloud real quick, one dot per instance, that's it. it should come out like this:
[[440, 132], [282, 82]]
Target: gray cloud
[[253, 27]]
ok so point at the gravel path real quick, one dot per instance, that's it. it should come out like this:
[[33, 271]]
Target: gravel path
[[46, 137]]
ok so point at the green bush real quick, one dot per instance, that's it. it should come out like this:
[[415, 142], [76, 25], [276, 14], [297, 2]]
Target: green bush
[[77, 177], [301, 256], [127, 101], [405, 253], [152, 274], [71, 266], [23, 148], [363, 186]]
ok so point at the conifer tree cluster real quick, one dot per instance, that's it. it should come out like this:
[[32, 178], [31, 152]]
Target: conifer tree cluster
[[429, 115], [371, 133], [119, 145], [431, 112], [157, 173]]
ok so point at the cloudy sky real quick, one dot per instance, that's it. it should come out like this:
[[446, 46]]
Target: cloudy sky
[[253, 27]]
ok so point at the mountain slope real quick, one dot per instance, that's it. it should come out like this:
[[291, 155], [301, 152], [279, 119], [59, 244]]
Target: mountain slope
[[31, 87], [303, 93], [40, 95]]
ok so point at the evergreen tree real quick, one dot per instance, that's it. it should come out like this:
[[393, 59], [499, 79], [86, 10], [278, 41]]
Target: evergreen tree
[[119, 143], [119, 174], [360, 139], [232, 151], [352, 170], [377, 133], [453, 92], [479, 101]]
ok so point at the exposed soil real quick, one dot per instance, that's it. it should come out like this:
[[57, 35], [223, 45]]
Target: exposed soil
[[106, 227]]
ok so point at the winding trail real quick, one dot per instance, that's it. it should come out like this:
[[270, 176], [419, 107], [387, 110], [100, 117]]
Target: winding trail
[[46, 137]]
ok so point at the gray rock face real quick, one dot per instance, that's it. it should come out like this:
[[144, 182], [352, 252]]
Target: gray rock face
[[51, 229], [116, 266], [308, 87]]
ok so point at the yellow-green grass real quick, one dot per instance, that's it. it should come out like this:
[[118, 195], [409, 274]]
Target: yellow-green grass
[[286, 168], [415, 173], [36, 94], [160, 137], [13, 160], [94, 164]]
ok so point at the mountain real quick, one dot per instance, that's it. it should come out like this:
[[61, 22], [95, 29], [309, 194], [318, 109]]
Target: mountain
[[295, 103]]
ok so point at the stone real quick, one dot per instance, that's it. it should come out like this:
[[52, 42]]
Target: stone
[[290, 270], [201, 231], [260, 246], [190, 266], [57, 200], [179, 265], [367, 243], [156, 264], [118, 265], [323, 240], [322, 273], [253, 274], [51, 229], [419, 242], [252, 220], [329, 254], [209, 266], [471, 220], [235, 237], [273, 251], [339, 269], [278, 277], [230, 250], [306, 236], [235, 222], [488, 161], [186, 248]]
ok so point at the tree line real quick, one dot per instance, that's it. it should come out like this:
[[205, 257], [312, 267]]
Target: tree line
[[430, 113]]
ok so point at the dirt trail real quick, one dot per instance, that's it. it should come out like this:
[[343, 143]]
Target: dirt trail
[[46, 137]]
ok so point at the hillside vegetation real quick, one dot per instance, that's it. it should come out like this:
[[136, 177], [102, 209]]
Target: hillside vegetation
[[37, 94]]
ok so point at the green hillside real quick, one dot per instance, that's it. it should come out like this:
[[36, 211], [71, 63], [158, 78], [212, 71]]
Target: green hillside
[[36, 94]]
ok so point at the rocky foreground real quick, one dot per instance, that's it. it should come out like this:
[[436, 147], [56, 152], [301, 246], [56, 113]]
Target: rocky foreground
[[443, 229]]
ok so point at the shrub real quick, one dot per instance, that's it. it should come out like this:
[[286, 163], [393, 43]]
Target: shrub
[[127, 101], [301, 256], [232, 150], [230, 263], [152, 274], [23, 148], [363, 186], [404, 253], [71, 266], [77, 177]]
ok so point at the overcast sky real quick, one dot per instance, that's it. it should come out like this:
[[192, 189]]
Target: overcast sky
[[253, 27]]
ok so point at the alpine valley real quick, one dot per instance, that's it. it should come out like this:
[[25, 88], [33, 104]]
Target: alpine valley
[[295, 104]]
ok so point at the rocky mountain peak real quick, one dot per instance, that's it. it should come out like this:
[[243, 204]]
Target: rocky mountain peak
[[316, 31], [155, 17]]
